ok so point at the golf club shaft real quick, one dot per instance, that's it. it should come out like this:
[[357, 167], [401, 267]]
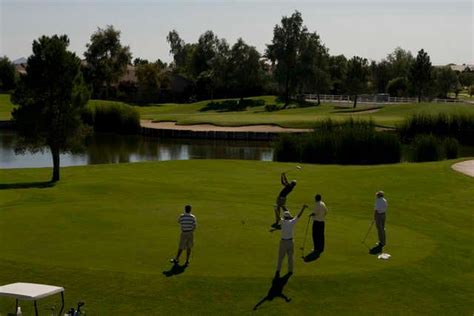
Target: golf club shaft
[[368, 231]]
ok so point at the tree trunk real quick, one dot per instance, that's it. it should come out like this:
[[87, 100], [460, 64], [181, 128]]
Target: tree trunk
[[55, 153], [355, 101], [107, 88], [419, 96], [319, 100]]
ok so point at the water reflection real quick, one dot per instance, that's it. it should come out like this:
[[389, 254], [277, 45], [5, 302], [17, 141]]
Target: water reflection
[[109, 148]]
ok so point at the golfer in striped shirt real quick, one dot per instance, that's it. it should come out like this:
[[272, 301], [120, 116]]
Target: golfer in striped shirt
[[188, 225]]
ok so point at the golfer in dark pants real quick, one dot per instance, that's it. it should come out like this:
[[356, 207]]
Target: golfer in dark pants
[[380, 210], [281, 199], [319, 216]]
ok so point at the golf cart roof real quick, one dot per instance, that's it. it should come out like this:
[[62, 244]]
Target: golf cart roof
[[29, 291]]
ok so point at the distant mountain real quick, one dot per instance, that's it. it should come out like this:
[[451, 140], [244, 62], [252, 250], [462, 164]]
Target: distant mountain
[[21, 60]]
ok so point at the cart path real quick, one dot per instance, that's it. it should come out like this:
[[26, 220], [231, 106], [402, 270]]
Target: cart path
[[466, 167], [212, 128]]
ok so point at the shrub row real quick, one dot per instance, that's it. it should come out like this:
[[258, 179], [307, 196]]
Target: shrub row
[[351, 142], [432, 148], [232, 105], [112, 117], [459, 126]]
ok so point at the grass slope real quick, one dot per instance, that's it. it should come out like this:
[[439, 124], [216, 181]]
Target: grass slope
[[106, 233], [386, 115]]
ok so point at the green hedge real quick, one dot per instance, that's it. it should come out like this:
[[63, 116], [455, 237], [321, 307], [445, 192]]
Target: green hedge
[[350, 142], [458, 126], [432, 148], [112, 117]]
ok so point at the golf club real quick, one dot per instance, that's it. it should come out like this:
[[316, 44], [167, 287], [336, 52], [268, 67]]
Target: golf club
[[298, 167], [305, 235], [368, 231]]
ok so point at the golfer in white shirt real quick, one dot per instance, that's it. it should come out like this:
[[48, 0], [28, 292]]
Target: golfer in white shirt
[[286, 242]]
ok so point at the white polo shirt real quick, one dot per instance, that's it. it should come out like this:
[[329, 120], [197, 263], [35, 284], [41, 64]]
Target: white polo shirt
[[380, 205], [319, 211], [287, 227]]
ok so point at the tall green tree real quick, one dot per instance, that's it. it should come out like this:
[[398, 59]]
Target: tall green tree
[[245, 72], [380, 76], [181, 52], [420, 73], [399, 63], [313, 65], [338, 73], [107, 59], [7, 74], [357, 76], [284, 51], [50, 99], [446, 80], [149, 77], [466, 78]]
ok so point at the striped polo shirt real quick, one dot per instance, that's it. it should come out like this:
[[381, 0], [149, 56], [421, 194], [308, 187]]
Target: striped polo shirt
[[187, 222]]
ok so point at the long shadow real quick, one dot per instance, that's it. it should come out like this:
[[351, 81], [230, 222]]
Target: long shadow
[[175, 270], [276, 290], [312, 256], [27, 185]]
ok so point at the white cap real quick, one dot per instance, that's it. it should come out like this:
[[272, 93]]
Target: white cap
[[287, 214]]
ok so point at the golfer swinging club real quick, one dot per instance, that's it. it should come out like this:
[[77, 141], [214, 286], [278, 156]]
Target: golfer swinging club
[[286, 242], [188, 225], [281, 199]]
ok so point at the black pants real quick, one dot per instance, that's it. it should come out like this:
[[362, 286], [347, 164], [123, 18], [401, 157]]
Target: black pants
[[318, 236]]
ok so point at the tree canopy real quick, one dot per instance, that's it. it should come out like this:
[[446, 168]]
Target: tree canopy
[[7, 74], [107, 59], [50, 99], [357, 75], [420, 73], [284, 52]]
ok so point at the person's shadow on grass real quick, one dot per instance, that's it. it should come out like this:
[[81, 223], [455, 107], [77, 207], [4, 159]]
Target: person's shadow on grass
[[276, 290], [312, 256], [175, 270]]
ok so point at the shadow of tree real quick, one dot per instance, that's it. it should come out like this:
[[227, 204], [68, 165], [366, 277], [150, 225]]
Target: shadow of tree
[[27, 185], [175, 270]]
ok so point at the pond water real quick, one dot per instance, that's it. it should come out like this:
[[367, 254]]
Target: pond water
[[111, 148]]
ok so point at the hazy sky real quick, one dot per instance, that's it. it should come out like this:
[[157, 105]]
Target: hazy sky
[[371, 29]]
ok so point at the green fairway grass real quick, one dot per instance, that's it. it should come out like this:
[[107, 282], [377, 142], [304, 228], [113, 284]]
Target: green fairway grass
[[106, 233], [388, 115]]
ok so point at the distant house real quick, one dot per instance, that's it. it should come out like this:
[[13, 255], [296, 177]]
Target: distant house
[[461, 68], [20, 69]]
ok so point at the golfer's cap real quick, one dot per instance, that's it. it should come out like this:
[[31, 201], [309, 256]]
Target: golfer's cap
[[287, 214], [379, 193]]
